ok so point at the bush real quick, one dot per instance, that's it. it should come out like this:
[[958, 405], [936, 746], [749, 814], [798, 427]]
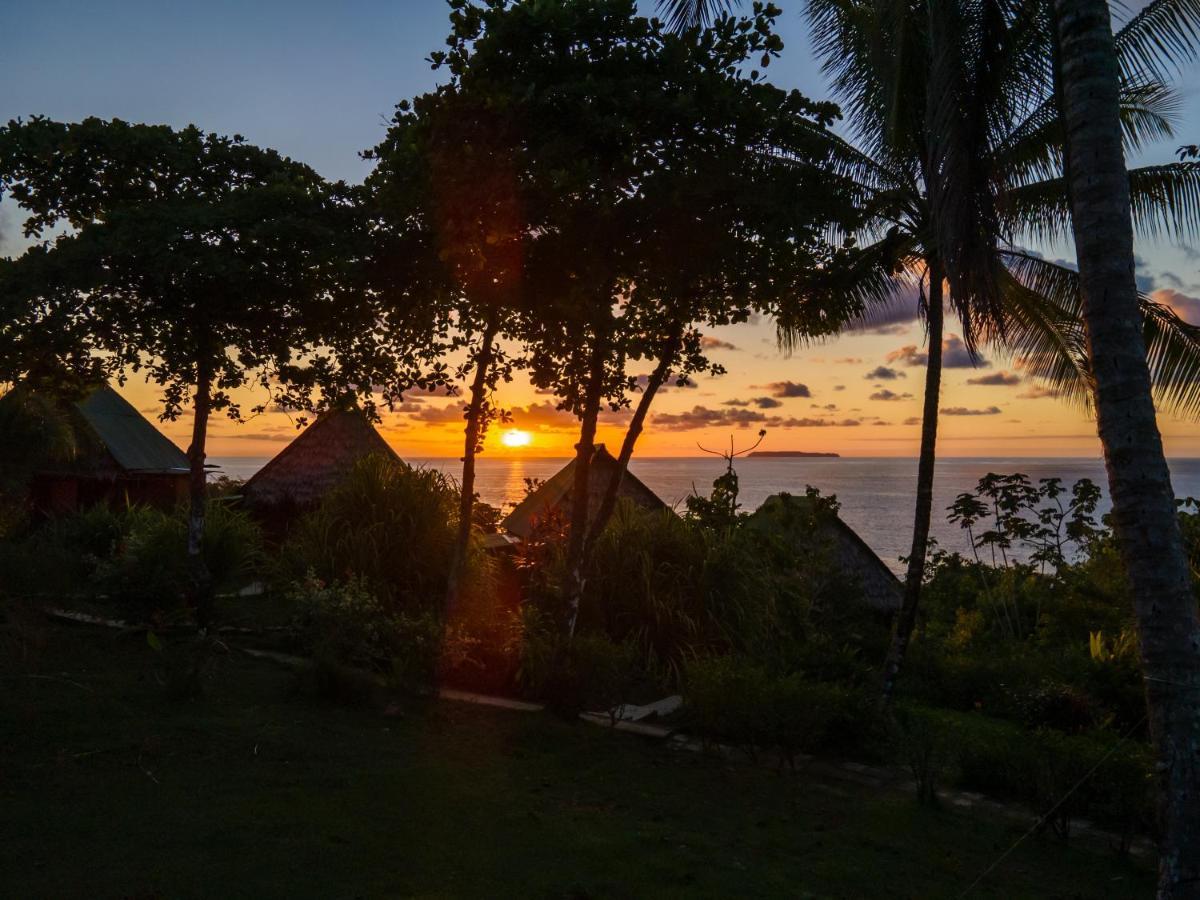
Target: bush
[[1060, 776], [344, 626], [136, 556], [585, 673], [391, 527], [151, 566], [734, 702]]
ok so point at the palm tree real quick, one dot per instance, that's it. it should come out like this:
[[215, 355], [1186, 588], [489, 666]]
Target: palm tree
[[957, 158], [1143, 501]]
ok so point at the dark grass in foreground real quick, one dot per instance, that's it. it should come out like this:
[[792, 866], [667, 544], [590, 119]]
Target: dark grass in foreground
[[108, 790]]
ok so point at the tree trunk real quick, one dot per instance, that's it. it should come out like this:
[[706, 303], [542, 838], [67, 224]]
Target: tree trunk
[[1143, 501], [636, 424], [201, 585], [906, 620], [583, 470], [466, 505]]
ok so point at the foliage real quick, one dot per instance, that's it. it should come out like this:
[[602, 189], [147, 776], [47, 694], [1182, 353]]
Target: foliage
[[345, 627], [388, 525], [1062, 777], [586, 672], [732, 701], [134, 557]]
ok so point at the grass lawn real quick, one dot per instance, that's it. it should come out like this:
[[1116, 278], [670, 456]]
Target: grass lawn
[[109, 790]]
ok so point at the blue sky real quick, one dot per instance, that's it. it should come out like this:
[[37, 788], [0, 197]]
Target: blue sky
[[318, 82]]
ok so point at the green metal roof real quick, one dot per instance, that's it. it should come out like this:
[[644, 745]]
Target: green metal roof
[[135, 444]]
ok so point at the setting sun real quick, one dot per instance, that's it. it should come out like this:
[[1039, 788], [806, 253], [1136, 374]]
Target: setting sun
[[516, 438]]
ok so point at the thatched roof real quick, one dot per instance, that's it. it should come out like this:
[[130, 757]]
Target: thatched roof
[[556, 493], [316, 460], [851, 555]]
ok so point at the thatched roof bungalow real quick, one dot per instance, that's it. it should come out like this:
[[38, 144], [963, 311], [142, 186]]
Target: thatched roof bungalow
[[119, 458], [555, 495], [300, 475], [851, 558]]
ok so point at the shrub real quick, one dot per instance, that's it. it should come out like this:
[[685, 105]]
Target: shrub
[[1062, 777], [585, 673], [926, 748], [731, 701], [136, 556], [391, 527], [151, 567]]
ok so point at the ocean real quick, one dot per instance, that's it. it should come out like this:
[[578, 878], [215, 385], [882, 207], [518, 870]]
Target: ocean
[[876, 494]]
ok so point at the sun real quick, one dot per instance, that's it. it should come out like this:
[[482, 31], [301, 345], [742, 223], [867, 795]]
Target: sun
[[514, 437]]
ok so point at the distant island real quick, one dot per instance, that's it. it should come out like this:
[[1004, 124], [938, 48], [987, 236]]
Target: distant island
[[786, 453]]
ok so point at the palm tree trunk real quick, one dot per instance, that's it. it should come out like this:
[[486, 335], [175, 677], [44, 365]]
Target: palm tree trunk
[[906, 620], [1143, 501], [636, 424], [201, 582], [466, 506], [583, 470]]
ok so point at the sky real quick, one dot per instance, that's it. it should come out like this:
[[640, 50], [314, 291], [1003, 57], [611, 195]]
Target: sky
[[318, 82]]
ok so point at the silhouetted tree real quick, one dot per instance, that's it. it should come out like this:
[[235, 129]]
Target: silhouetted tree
[[211, 264]]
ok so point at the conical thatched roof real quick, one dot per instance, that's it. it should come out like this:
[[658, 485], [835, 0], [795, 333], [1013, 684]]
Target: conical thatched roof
[[851, 556], [315, 461], [556, 493]]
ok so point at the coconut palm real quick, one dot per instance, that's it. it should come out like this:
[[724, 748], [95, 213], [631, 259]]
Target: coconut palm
[[956, 157], [1090, 71]]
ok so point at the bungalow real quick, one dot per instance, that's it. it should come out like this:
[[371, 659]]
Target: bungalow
[[300, 475], [851, 558], [120, 458], [554, 496]]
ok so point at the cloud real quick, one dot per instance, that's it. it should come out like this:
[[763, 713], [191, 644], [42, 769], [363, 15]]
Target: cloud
[[760, 402], [964, 411], [711, 343], [849, 360], [670, 384], [996, 379], [703, 417], [1185, 306], [839, 387], [815, 423], [1171, 278], [909, 355], [896, 329], [884, 373], [913, 420], [260, 436], [786, 389], [955, 355], [440, 415], [1037, 392], [885, 394], [1145, 282]]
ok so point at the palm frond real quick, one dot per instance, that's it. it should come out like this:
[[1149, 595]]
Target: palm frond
[[1173, 352], [1048, 333], [866, 283], [1158, 41], [1043, 327], [1166, 199], [681, 15]]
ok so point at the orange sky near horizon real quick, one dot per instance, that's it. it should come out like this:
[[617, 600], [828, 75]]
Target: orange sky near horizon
[[856, 395]]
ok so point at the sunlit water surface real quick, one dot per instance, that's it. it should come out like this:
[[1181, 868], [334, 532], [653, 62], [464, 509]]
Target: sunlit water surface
[[876, 494]]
